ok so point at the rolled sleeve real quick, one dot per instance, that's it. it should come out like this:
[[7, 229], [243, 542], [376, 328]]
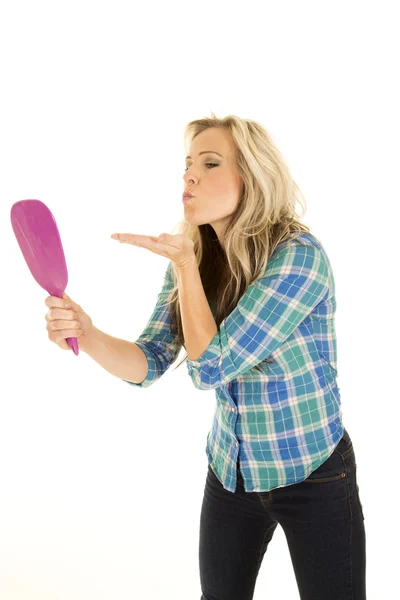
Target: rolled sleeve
[[160, 346], [152, 367]]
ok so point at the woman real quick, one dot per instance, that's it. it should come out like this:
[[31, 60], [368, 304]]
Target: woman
[[250, 293]]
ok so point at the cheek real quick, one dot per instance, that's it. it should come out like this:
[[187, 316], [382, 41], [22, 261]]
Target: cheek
[[228, 191], [225, 187], [230, 180]]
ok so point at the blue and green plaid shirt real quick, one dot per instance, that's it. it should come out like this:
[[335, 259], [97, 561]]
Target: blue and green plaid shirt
[[286, 420]]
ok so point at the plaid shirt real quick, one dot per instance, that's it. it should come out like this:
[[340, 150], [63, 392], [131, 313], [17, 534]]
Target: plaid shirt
[[284, 420]]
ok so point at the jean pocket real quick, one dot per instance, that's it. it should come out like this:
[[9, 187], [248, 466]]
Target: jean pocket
[[332, 469]]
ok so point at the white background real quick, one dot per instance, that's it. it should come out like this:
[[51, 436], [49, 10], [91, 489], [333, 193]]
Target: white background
[[94, 100]]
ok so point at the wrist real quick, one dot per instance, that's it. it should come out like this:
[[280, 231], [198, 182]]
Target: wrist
[[85, 339], [189, 264]]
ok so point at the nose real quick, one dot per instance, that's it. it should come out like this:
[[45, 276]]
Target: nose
[[188, 178]]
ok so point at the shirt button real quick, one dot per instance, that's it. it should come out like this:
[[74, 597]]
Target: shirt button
[[232, 409]]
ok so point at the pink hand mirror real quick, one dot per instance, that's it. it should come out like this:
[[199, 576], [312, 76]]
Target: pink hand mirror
[[37, 234]]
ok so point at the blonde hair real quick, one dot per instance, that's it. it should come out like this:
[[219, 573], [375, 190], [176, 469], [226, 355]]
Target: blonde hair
[[265, 216]]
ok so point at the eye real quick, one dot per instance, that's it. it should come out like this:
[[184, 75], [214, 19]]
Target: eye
[[212, 164]]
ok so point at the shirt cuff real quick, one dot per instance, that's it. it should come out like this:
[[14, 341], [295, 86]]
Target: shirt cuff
[[212, 351], [151, 375]]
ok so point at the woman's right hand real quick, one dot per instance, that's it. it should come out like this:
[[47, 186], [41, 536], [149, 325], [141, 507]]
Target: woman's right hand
[[64, 322]]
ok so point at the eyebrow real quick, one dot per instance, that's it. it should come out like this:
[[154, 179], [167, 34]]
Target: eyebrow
[[206, 152]]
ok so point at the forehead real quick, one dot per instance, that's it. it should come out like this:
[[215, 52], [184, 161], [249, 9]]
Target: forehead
[[219, 140]]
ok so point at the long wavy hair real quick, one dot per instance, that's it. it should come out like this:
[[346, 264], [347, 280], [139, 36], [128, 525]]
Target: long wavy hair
[[265, 217]]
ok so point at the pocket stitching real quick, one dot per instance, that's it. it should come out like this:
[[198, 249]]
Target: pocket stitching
[[325, 479], [346, 452], [334, 477]]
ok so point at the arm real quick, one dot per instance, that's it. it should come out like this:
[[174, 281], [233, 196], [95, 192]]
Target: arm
[[199, 326], [273, 306], [156, 341], [142, 362], [121, 358]]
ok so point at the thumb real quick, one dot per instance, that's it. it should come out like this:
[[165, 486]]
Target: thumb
[[75, 305], [66, 297]]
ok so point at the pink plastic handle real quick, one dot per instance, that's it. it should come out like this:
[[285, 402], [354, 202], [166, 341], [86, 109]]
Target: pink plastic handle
[[73, 343]]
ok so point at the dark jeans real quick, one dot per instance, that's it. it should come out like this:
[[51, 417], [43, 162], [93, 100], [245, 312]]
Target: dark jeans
[[323, 521]]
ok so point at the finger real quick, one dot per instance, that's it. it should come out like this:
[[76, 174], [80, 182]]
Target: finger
[[67, 298], [150, 242], [62, 325], [55, 336], [60, 313], [125, 238], [54, 301]]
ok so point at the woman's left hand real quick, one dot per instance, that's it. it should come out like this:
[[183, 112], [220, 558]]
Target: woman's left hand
[[178, 248]]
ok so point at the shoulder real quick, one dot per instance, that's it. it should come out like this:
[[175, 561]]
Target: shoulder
[[302, 239], [302, 251]]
